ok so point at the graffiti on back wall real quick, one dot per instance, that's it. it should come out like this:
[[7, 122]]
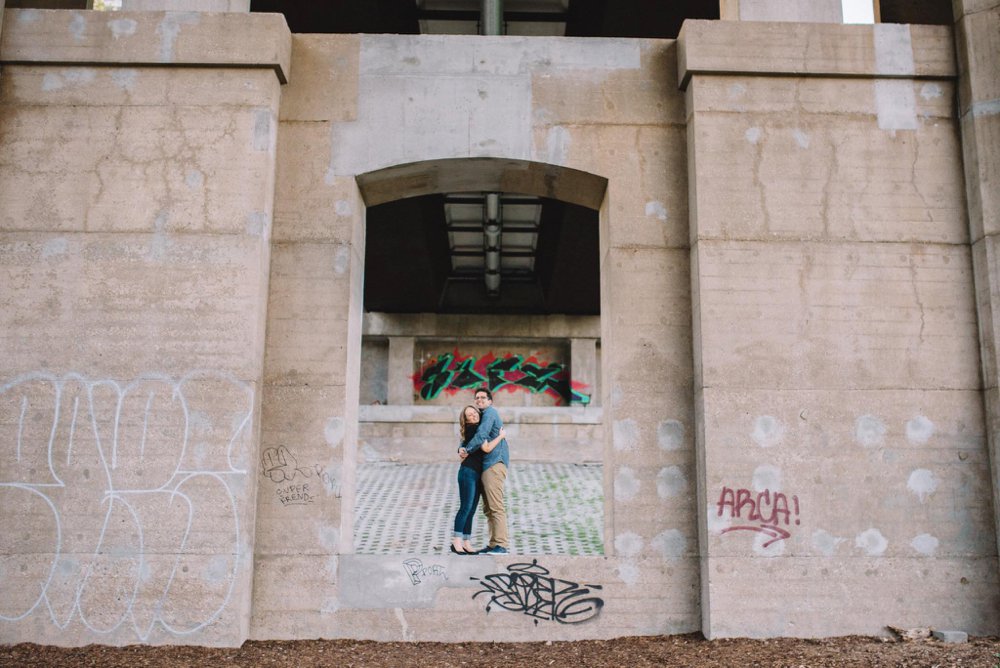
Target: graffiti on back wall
[[451, 372], [528, 588], [127, 499], [770, 510]]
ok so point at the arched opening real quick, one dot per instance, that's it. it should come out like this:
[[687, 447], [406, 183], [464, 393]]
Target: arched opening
[[442, 318]]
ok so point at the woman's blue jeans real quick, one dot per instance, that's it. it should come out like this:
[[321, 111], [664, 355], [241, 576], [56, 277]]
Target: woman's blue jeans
[[469, 490]]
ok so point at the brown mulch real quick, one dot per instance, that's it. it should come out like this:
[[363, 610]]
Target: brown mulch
[[687, 650]]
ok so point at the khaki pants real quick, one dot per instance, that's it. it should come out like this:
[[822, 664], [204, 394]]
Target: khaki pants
[[496, 515]]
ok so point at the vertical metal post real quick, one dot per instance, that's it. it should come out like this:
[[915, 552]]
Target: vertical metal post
[[491, 21], [492, 227]]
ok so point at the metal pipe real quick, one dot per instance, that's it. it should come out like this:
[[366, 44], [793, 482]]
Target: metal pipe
[[493, 283], [492, 227], [491, 22], [492, 260], [492, 207]]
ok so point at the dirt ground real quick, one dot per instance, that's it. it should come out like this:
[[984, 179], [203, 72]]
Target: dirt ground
[[688, 650]]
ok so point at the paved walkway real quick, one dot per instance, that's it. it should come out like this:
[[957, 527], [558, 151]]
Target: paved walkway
[[410, 509]]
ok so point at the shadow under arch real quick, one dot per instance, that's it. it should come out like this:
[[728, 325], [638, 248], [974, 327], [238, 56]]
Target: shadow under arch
[[428, 177]]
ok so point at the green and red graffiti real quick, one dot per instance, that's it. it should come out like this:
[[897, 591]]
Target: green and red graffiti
[[451, 372]]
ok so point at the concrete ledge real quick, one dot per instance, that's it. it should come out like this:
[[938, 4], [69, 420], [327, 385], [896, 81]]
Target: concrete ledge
[[521, 415], [135, 39], [815, 49], [481, 326]]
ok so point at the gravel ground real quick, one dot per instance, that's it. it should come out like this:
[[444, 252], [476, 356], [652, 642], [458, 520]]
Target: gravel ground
[[689, 650]]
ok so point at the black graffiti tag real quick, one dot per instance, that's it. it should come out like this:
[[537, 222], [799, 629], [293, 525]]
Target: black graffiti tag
[[416, 570], [281, 466], [527, 588], [437, 377]]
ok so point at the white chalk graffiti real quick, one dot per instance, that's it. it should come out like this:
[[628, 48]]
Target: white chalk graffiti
[[120, 500]]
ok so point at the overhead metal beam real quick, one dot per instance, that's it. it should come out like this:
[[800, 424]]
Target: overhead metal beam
[[506, 253]]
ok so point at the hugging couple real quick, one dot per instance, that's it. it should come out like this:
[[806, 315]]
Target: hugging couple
[[483, 472]]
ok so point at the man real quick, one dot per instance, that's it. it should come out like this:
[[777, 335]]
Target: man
[[495, 465]]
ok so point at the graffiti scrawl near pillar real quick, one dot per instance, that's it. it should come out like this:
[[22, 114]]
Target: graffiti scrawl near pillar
[[769, 509], [128, 498], [527, 588], [416, 571], [281, 466], [294, 495], [451, 372]]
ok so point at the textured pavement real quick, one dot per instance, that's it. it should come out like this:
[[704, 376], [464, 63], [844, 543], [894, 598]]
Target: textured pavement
[[410, 509]]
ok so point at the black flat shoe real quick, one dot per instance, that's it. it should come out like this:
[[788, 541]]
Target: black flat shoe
[[457, 551]]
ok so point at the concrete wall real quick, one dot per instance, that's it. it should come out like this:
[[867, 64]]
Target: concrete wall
[[783, 205]]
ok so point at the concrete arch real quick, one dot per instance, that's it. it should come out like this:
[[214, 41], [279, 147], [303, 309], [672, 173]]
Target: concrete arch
[[482, 174]]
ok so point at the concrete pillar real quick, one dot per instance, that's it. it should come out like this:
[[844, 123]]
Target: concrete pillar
[[400, 383], [977, 38], [786, 391], [583, 367], [186, 5], [796, 11], [211, 363]]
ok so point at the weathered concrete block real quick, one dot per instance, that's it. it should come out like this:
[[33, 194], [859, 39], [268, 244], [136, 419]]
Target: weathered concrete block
[[980, 133], [794, 174], [644, 209], [304, 415], [308, 319], [976, 34], [593, 95], [814, 48], [186, 5], [965, 7], [813, 589], [88, 180], [814, 307], [177, 38], [156, 286], [325, 86], [950, 636], [987, 286], [827, 11]]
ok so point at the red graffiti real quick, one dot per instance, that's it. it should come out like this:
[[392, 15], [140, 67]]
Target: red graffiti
[[769, 509]]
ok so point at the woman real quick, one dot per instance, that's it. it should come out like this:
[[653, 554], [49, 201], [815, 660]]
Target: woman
[[469, 486]]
